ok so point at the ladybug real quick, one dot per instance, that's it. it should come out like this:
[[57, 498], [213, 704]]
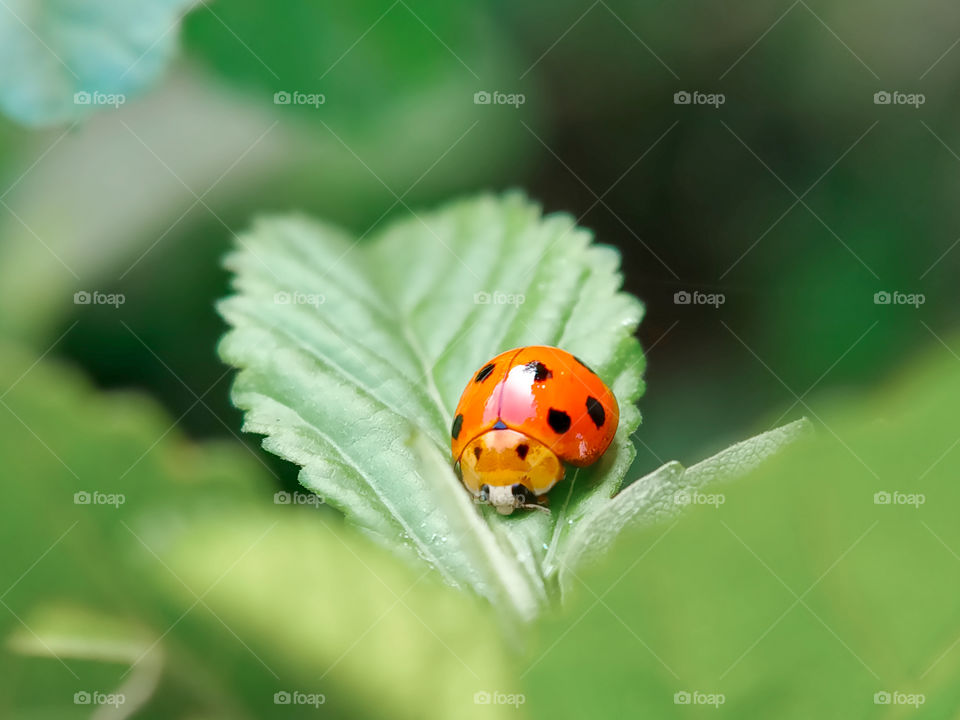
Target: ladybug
[[521, 417]]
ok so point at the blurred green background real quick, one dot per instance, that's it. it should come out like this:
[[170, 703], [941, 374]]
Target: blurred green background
[[797, 199]]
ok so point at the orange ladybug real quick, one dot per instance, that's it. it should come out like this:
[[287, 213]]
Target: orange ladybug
[[521, 417]]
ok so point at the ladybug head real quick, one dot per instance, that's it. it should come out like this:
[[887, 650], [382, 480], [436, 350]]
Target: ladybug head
[[507, 498], [508, 469]]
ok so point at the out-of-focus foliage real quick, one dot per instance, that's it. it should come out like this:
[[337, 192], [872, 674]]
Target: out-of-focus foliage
[[597, 100], [138, 563], [376, 63], [824, 578], [61, 59], [661, 495], [799, 81]]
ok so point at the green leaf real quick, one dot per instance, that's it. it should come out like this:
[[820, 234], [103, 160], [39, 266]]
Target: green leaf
[[354, 354], [63, 631], [79, 600], [52, 50], [72, 631], [662, 494], [323, 611], [440, 54], [79, 466]]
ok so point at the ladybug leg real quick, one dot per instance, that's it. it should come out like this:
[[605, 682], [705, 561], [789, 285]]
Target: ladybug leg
[[541, 508], [540, 504]]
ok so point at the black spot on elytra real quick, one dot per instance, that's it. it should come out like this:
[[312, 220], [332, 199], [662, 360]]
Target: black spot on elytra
[[500, 425], [522, 450], [595, 411], [584, 364], [476, 452], [540, 371], [558, 420], [457, 424], [484, 373]]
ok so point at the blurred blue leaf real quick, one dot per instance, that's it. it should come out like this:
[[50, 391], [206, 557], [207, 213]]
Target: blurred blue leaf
[[62, 58]]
